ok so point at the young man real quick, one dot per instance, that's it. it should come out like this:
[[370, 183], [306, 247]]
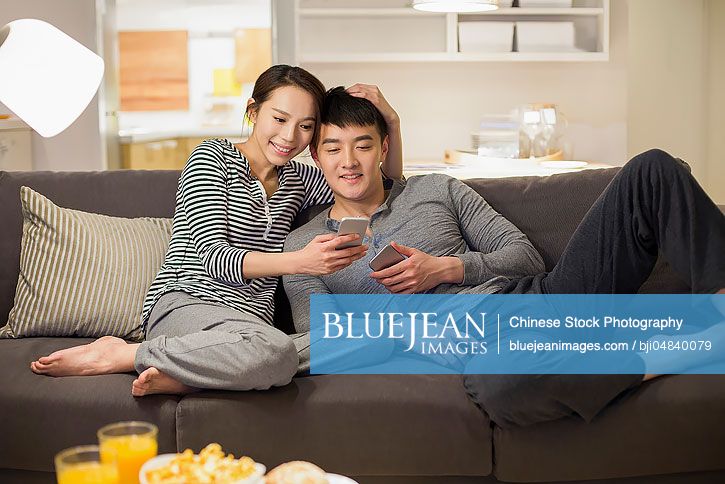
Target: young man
[[456, 243]]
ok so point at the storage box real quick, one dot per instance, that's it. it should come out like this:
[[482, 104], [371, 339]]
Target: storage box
[[545, 3], [545, 37], [485, 36]]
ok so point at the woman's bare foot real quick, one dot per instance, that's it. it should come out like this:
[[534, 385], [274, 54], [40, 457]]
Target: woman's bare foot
[[105, 355], [152, 381]]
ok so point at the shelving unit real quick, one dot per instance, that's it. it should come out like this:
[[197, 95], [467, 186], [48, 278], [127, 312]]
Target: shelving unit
[[340, 31]]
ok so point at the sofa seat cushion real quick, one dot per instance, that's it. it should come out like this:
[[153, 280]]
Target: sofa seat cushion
[[41, 415], [673, 424], [362, 425]]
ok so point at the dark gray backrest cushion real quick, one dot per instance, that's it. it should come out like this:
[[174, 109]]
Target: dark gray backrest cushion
[[547, 209]]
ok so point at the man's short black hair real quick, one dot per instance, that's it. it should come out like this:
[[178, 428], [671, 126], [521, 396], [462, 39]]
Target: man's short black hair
[[342, 110]]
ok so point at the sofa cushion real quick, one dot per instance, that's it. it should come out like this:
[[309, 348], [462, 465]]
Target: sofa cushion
[[117, 193], [549, 209], [41, 415], [83, 274], [671, 424], [352, 424]]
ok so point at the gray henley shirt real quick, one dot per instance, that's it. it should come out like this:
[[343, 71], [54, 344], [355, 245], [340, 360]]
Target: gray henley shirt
[[436, 214]]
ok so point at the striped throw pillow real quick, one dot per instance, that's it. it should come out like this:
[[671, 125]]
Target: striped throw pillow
[[83, 274]]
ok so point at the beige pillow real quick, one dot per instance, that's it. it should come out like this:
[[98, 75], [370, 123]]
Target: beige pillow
[[83, 274]]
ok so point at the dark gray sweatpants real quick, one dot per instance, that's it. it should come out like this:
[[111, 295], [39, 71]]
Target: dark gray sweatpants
[[653, 204]]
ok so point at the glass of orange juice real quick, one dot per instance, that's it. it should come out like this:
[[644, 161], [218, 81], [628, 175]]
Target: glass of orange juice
[[82, 465], [129, 445]]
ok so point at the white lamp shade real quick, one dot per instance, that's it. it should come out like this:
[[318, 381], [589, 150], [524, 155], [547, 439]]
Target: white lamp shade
[[46, 77]]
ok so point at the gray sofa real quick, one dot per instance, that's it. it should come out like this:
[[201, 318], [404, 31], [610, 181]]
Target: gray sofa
[[398, 429]]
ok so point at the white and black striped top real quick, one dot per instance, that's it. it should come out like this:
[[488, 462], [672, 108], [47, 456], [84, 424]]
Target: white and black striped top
[[222, 212]]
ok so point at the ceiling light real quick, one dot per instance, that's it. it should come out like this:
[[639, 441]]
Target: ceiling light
[[455, 6]]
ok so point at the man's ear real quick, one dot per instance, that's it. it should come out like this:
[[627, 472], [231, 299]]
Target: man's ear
[[384, 152], [313, 153], [252, 110]]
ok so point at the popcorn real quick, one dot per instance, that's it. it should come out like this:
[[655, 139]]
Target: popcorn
[[210, 466]]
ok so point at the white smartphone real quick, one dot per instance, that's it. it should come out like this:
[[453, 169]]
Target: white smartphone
[[386, 258], [353, 225]]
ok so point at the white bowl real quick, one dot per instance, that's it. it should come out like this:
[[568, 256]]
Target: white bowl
[[161, 460], [338, 479]]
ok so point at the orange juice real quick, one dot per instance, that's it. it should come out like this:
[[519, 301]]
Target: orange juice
[[129, 445], [89, 473], [129, 452], [82, 465]]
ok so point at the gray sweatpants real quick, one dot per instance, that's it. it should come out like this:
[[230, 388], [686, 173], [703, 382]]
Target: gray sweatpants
[[208, 345]]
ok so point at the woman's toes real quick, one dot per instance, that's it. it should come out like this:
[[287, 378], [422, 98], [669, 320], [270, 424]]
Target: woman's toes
[[147, 375], [38, 368], [138, 389], [46, 360]]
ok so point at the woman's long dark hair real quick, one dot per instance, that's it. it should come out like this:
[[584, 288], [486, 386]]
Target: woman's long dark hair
[[283, 75]]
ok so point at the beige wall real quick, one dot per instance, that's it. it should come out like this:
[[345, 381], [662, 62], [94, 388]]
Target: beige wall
[[715, 44], [661, 88], [675, 97], [441, 103], [79, 147]]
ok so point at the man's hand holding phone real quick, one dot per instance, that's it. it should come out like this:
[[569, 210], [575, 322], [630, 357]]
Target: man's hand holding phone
[[419, 271]]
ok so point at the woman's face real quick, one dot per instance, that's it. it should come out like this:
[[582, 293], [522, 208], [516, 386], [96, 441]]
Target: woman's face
[[284, 124]]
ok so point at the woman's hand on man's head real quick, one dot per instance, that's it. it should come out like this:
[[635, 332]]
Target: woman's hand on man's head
[[372, 93]]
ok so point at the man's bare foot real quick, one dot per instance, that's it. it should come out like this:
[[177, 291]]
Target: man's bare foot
[[152, 381], [105, 355]]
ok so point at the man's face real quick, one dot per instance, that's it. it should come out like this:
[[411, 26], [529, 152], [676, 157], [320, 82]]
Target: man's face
[[350, 158]]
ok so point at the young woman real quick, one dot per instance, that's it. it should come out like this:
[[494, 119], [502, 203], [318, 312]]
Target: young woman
[[208, 314]]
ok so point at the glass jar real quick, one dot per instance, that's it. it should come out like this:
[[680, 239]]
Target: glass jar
[[497, 137]]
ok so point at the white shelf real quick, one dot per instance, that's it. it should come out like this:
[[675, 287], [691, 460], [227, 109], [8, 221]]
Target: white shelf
[[325, 58], [405, 12], [413, 36], [322, 58], [365, 12], [559, 12]]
